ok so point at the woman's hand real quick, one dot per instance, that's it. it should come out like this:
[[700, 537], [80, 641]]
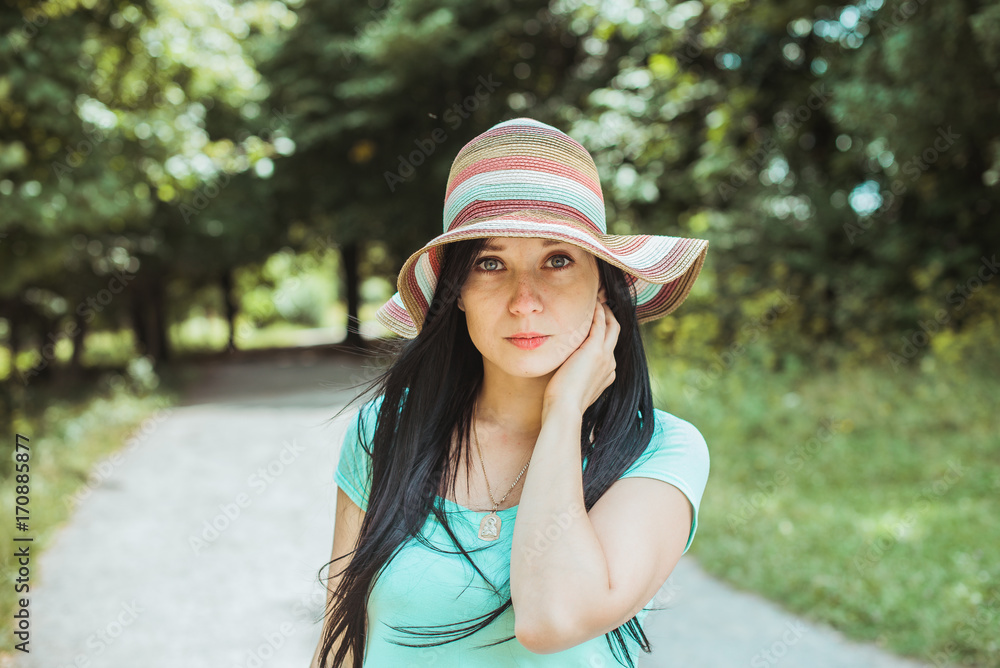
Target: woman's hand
[[590, 369]]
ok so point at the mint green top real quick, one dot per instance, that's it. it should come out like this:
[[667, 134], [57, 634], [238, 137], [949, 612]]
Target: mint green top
[[422, 587]]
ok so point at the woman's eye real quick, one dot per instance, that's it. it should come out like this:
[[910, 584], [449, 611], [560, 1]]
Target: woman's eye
[[568, 260], [559, 262]]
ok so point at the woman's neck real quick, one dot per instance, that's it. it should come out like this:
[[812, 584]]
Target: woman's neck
[[511, 404]]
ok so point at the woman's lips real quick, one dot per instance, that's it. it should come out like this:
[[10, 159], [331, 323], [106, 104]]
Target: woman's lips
[[528, 344]]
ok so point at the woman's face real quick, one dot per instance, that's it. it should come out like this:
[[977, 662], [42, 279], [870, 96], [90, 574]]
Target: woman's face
[[530, 285]]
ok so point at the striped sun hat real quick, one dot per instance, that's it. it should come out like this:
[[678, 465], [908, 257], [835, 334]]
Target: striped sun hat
[[523, 178]]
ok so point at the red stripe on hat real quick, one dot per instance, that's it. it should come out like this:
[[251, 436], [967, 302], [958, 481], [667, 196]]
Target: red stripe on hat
[[671, 259], [526, 128], [633, 243], [480, 208], [524, 162], [661, 297]]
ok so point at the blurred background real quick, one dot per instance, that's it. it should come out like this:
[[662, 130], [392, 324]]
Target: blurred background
[[189, 181]]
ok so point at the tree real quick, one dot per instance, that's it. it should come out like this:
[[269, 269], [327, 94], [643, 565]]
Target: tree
[[779, 131], [381, 101], [129, 132]]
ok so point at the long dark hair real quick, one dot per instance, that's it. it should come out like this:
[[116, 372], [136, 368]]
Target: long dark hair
[[428, 392]]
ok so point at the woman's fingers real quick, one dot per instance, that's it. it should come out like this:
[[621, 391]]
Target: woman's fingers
[[612, 328], [596, 324]]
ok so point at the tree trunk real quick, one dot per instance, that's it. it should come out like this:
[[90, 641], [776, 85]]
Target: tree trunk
[[14, 340], [158, 322], [349, 253], [149, 320], [230, 306], [81, 333], [136, 310], [46, 365]]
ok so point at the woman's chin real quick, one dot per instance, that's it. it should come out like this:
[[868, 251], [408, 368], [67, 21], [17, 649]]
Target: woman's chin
[[522, 366]]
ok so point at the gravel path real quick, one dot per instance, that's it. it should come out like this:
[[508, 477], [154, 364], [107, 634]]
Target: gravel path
[[200, 548]]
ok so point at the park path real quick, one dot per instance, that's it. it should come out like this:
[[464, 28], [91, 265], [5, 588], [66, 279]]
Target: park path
[[127, 584]]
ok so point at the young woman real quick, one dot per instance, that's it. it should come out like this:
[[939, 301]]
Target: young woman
[[523, 367]]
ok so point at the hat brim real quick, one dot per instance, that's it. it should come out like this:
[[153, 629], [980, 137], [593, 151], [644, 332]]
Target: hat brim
[[662, 268]]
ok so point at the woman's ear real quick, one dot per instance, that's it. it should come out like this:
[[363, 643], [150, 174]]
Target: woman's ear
[[602, 295], [461, 306]]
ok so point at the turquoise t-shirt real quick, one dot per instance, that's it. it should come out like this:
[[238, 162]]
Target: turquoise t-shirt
[[422, 587]]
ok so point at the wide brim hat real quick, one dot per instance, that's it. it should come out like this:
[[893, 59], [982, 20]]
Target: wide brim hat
[[523, 178]]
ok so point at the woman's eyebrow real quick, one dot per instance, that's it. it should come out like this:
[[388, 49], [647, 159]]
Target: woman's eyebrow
[[499, 248]]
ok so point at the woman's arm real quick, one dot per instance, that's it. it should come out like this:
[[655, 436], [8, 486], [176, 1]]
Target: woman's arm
[[576, 575], [347, 528]]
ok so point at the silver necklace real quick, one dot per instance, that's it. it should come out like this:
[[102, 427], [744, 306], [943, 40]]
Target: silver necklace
[[489, 526]]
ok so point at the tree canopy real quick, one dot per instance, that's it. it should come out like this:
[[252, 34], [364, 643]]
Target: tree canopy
[[846, 157]]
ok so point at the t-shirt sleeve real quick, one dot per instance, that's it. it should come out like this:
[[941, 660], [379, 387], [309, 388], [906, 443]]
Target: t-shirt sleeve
[[677, 454], [353, 473]]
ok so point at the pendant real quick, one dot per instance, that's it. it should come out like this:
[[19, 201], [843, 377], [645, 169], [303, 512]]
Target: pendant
[[489, 527]]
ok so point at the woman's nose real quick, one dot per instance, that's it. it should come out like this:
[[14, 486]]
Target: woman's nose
[[525, 297]]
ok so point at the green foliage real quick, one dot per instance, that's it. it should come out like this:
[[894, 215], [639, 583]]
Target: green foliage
[[844, 155], [847, 157], [860, 498], [305, 301], [295, 288], [132, 141], [383, 95]]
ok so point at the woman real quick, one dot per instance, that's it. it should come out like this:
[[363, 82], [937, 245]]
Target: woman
[[523, 367]]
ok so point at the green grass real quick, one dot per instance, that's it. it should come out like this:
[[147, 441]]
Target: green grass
[[863, 526]]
